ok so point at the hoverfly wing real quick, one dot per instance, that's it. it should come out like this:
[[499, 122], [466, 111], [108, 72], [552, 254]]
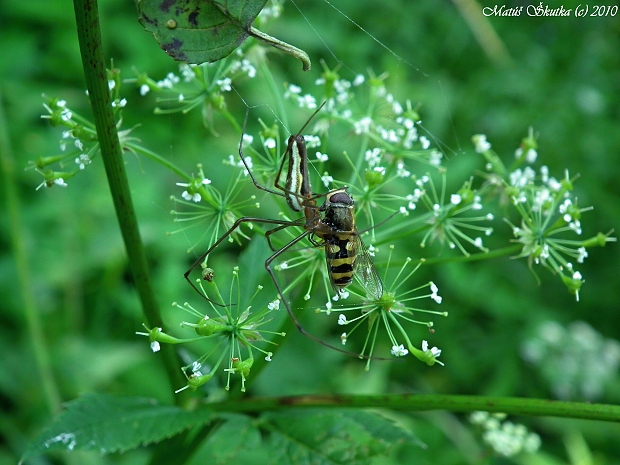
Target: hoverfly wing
[[365, 271]]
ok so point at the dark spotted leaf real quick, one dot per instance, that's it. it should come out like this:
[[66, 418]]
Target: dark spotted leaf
[[199, 31]]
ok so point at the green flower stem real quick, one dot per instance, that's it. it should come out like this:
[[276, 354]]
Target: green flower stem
[[231, 119], [509, 250], [43, 366], [159, 159], [288, 327], [425, 402], [276, 92], [89, 37]]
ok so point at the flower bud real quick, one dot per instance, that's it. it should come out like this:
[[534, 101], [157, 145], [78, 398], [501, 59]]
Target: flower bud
[[194, 382], [270, 132], [598, 241], [157, 335], [243, 366], [207, 326], [43, 162], [373, 178], [467, 195], [330, 77], [426, 355], [218, 101], [573, 283]]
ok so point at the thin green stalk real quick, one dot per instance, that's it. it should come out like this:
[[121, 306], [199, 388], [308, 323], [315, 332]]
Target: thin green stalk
[[508, 250], [276, 92], [159, 159], [89, 37], [424, 402], [33, 321]]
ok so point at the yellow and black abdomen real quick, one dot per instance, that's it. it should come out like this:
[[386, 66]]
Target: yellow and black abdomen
[[340, 253]]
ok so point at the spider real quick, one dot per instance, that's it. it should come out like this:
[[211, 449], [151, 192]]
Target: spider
[[330, 226]]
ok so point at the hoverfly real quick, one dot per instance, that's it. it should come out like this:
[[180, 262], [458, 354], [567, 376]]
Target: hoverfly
[[345, 252], [330, 226]]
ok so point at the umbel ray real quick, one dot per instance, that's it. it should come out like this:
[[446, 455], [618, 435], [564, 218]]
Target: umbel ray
[[330, 226]]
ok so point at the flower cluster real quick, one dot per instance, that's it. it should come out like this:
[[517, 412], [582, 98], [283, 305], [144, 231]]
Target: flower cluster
[[577, 361], [383, 177], [393, 131], [198, 86], [235, 331], [381, 169], [548, 211], [79, 145], [393, 309], [505, 438], [202, 206], [449, 221], [392, 127]]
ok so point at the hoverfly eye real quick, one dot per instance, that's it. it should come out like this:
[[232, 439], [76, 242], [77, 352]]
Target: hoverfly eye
[[341, 198]]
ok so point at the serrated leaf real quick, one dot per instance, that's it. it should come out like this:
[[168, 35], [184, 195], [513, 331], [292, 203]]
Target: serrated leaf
[[199, 31], [330, 437], [236, 438], [113, 423]]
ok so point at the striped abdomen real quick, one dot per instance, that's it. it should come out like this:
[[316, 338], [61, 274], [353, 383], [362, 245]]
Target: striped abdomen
[[340, 254], [297, 186]]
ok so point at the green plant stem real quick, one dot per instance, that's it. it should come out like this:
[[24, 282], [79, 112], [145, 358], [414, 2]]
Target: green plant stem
[[478, 256], [89, 37], [508, 250], [159, 159], [276, 92], [33, 320], [422, 402], [483, 31]]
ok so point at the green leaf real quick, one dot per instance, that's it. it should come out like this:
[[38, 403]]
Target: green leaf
[[237, 440], [198, 31], [112, 423], [328, 436], [252, 267]]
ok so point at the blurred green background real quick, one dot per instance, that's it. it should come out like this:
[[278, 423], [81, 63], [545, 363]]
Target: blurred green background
[[559, 75]]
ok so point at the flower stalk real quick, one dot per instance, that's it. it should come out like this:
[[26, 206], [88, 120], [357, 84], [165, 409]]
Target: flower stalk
[[91, 49]]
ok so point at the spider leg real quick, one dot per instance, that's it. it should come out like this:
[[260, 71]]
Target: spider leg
[[275, 230], [245, 219], [290, 312]]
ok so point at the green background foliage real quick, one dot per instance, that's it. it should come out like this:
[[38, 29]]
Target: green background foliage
[[562, 78]]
